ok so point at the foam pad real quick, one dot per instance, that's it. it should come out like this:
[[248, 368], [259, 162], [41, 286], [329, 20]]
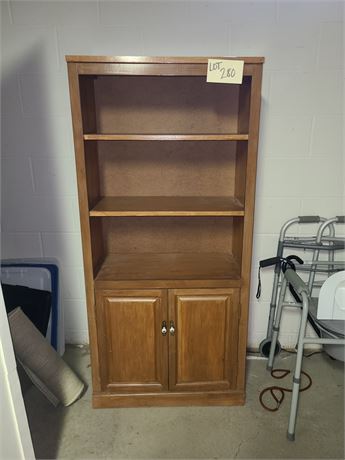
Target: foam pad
[[43, 364]]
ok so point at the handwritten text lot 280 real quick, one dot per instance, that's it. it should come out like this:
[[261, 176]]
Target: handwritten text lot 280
[[224, 71]]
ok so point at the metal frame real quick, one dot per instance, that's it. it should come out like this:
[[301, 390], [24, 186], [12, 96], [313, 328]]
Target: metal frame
[[315, 244], [290, 276]]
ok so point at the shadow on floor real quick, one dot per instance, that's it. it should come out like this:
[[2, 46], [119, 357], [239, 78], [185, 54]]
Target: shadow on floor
[[80, 432], [47, 422]]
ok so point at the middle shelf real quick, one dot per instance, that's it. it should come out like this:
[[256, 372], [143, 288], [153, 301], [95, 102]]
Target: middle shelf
[[115, 206], [166, 137]]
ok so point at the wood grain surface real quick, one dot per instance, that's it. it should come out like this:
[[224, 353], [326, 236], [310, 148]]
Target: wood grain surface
[[168, 206]]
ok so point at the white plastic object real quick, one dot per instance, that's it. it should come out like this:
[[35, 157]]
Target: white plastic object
[[339, 301], [331, 303], [331, 313]]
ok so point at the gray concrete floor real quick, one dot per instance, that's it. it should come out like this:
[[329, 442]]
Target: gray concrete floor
[[80, 432]]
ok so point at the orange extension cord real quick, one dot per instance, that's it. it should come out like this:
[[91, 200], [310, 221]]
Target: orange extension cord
[[277, 392]]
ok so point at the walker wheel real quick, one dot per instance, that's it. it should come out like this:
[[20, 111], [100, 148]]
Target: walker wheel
[[265, 347]]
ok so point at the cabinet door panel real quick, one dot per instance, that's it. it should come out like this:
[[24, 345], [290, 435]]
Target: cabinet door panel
[[203, 350], [133, 351]]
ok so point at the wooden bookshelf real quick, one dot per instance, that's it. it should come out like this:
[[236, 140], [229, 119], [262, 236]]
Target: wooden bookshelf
[[166, 167]]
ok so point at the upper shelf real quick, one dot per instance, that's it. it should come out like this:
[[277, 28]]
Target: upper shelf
[[167, 206], [161, 59], [165, 137]]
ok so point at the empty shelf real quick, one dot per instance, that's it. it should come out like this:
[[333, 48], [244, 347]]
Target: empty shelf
[[172, 266], [165, 137], [168, 206]]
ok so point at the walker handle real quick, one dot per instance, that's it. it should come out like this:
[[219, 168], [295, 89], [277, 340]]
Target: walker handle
[[268, 262], [309, 219]]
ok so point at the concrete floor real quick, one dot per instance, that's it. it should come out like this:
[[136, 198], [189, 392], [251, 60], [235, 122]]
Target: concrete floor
[[80, 432]]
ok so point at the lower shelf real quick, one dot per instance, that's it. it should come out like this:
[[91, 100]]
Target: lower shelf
[[165, 267], [106, 400]]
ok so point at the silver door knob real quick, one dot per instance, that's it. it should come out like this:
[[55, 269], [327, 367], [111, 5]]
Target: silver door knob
[[164, 328], [172, 328]]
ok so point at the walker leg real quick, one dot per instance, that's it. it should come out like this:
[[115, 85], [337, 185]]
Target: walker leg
[[277, 271], [276, 325], [273, 304], [297, 373]]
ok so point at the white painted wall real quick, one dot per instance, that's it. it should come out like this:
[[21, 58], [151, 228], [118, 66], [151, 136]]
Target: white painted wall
[[300, 168], [15, 439]]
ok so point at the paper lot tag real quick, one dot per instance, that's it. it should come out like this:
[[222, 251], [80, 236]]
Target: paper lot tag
[[224, 71]]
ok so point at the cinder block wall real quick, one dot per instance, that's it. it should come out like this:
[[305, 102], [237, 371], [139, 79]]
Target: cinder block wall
[[300, 169]]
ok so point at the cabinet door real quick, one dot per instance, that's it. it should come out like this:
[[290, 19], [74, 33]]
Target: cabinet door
[[203, 347], [133, 352]]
